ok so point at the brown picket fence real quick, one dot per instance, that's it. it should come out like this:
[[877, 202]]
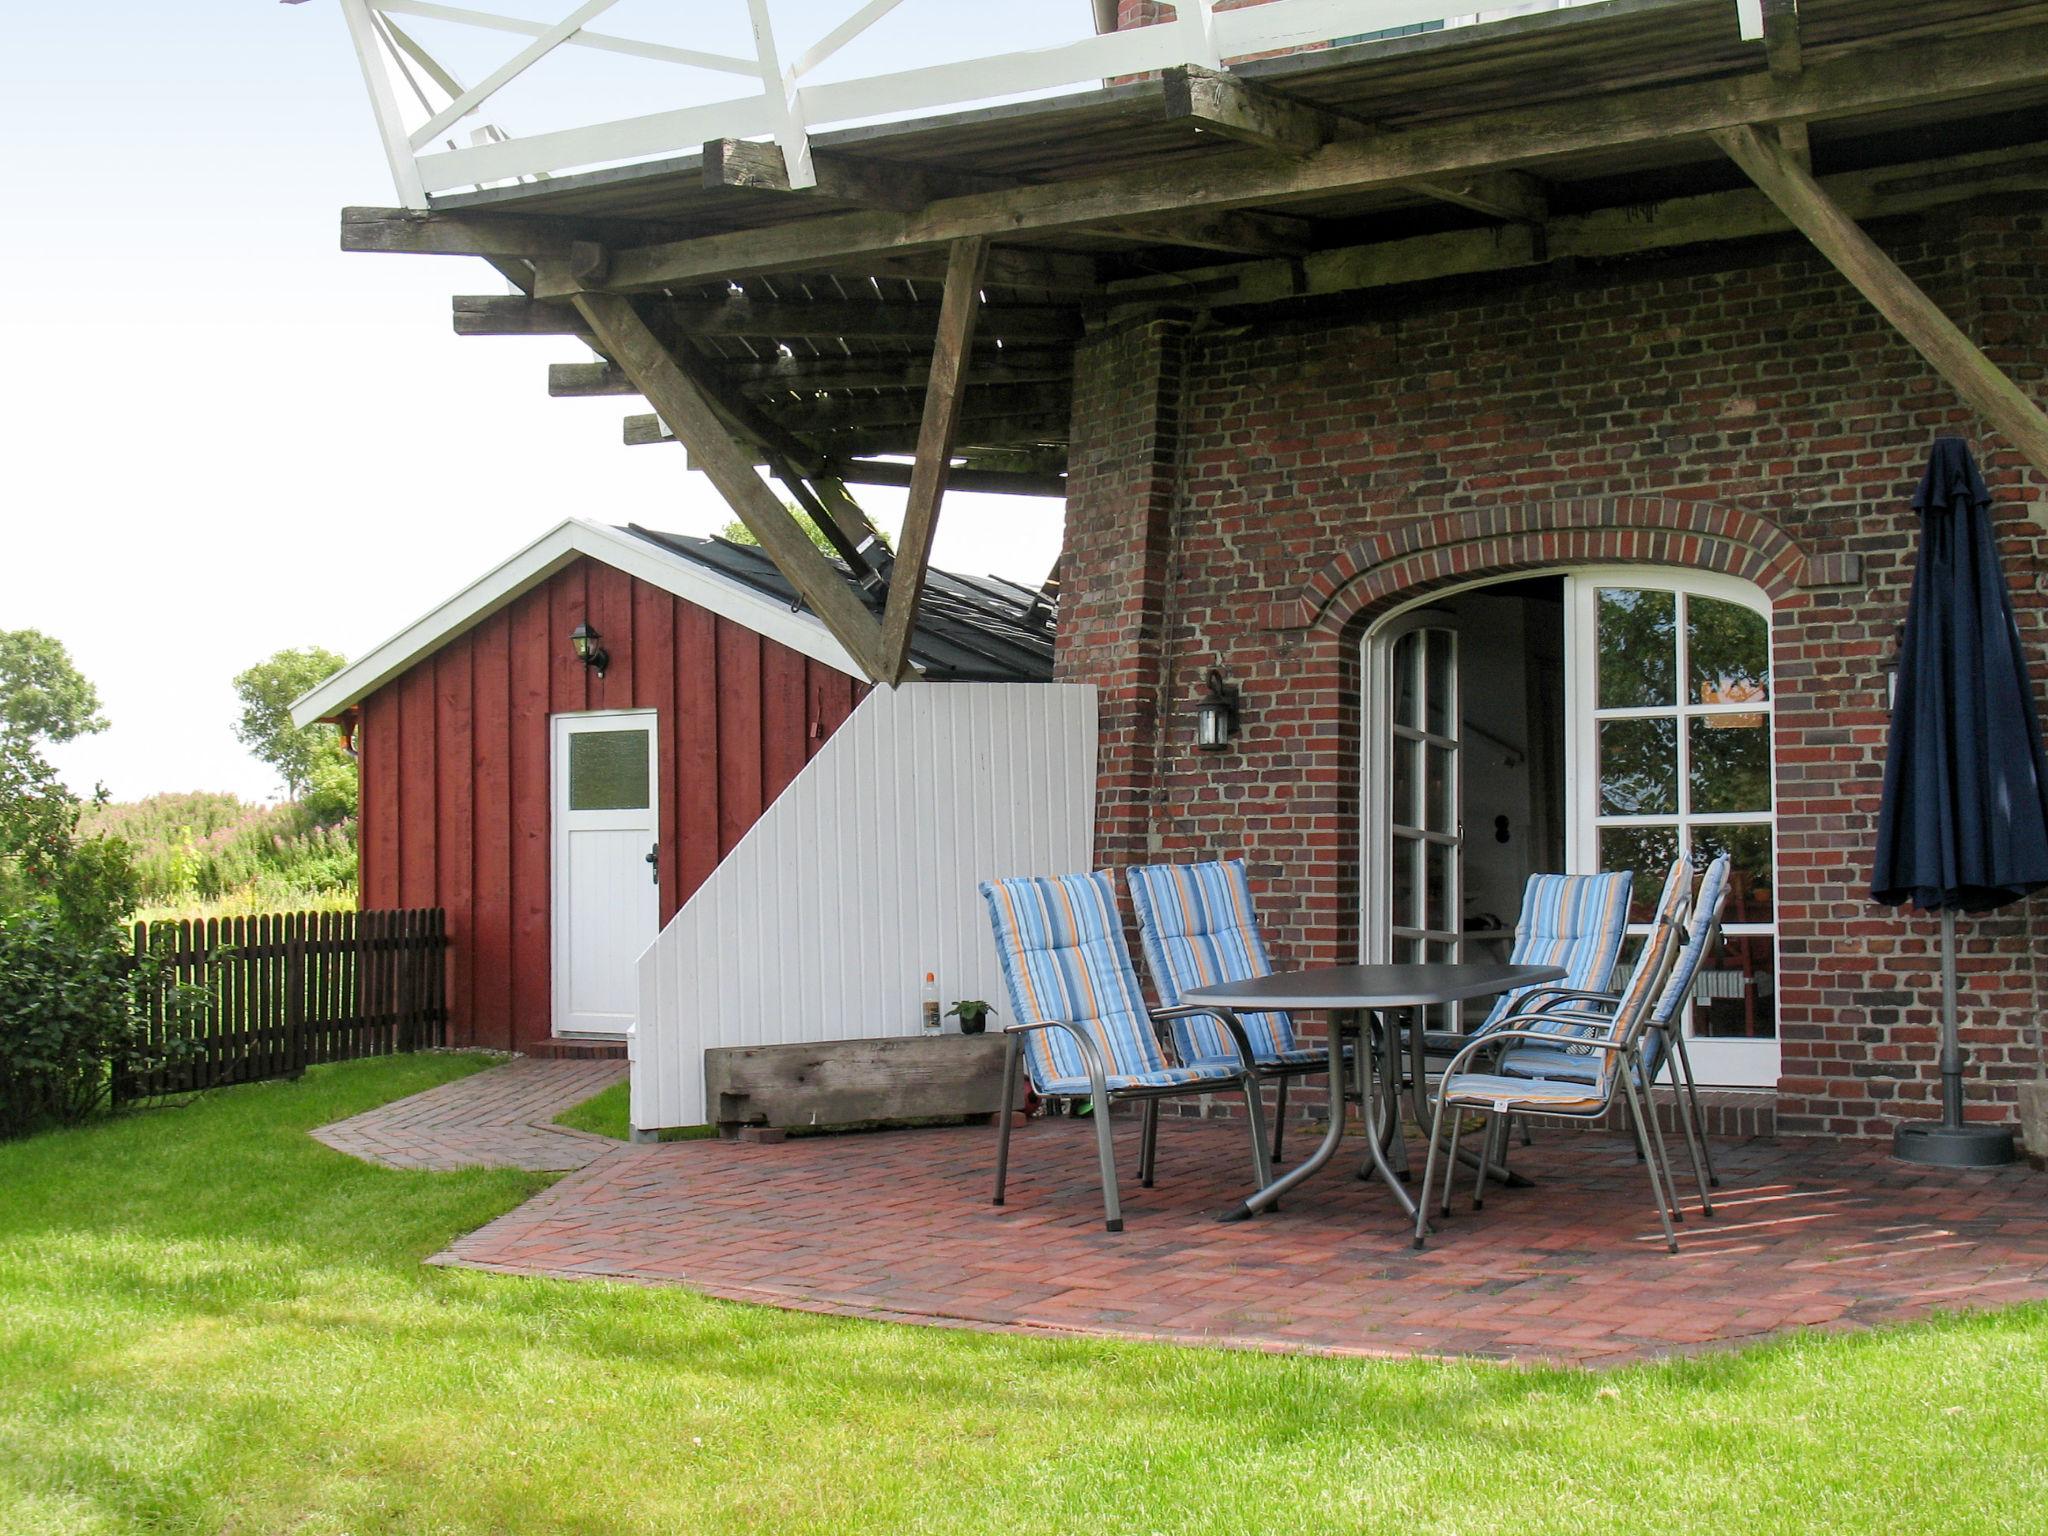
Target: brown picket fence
[[286, 991]]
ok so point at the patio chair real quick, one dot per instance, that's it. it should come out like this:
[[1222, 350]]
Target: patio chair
[[1614, 1043], [1665, 1042], [1197, 927], [1081, 1025]]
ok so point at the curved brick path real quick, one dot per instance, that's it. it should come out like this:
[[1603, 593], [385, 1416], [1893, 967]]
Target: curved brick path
[[497, 1118], [898, 1226]]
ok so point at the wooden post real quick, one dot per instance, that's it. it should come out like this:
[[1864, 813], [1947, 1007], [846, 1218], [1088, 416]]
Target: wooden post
[[1983, 386], [691, 416], [295, 995], [942, 400]]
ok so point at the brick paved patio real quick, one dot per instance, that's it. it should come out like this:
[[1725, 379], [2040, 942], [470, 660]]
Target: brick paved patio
[[497, 1118], [898, 1226]]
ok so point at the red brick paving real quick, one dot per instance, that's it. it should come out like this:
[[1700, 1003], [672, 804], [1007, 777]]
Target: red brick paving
[[898, 1226], [498, 1118]]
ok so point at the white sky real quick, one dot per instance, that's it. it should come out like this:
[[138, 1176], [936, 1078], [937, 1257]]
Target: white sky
[[219, 436]]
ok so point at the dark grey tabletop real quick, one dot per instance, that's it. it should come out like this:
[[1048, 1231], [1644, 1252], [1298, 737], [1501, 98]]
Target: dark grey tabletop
[[1374, 986]]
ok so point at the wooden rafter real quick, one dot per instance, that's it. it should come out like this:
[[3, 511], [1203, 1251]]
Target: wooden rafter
[[630, 343], [1785, 53], [1937, 70], [830, 377], [1228, 106], [1890, 291], [855, 320], [951, 350]]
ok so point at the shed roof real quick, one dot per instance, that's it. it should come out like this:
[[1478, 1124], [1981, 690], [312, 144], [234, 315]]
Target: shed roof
[[968, 629]]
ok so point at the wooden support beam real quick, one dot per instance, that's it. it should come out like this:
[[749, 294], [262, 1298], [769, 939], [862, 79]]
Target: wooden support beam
[[981, 402], [415, 232], [788, 377], [965, 477], [951, 350], [1214, 102], [1937, 69], [996, 431], [627, 339], [1602, 235], [1783, 50], [1980, 382], [499, 314]]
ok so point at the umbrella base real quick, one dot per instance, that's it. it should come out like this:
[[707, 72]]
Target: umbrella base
[[1953, 1146]]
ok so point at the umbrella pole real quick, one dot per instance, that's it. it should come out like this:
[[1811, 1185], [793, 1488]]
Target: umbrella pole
[[1949, 1143], [1951, 1034]]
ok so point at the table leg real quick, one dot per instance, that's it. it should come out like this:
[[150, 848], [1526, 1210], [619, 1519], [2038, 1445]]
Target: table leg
[[1373, 1149], [1332, 1138]]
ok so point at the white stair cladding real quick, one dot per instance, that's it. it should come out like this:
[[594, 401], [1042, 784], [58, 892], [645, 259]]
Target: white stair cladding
[[822, 922]]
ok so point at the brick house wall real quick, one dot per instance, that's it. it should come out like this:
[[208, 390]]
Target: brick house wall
[[1253, 497]]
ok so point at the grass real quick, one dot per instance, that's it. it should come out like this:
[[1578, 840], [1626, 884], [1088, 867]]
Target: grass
[[607, 1114], [209, 1323]]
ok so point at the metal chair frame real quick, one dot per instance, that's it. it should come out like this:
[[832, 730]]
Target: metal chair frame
[[1104, 1096], [1626, 1028]]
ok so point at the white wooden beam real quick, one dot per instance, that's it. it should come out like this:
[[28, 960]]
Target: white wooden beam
[[691, 58], [362, 32], [508, 71]]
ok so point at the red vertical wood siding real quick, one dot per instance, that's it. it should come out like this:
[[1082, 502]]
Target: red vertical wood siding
[[456, 777]]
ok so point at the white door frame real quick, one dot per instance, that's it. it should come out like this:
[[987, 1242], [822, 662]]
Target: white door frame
[[561, 728], [1727, 1062]]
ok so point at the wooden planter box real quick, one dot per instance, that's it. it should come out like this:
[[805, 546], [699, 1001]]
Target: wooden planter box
[[849, 1082]]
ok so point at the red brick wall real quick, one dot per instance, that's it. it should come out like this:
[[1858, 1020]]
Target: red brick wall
[[455, 770], [1741, 410]]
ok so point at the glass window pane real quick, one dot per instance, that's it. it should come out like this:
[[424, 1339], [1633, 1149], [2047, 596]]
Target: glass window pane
[[1437, 915], [1443, 816], [1639, 767], [1408, 680], [1735, 997], [1406, 801], [1731, 763], [1729, 652], [1441, 688], [1638, 648], [608, 771], [1407, 886], [1750, 898], [1649, 852]]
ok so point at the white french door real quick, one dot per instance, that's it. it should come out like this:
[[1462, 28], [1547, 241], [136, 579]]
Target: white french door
[[1418, 822], [1667, 725], [607, 891], [1669, 754]]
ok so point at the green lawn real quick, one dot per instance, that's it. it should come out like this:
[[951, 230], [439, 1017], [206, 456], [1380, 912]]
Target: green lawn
[[210, 1323], [607, 1113]]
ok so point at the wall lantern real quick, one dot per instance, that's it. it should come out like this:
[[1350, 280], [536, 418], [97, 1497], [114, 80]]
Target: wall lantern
[[589, 648], [1216, 715]]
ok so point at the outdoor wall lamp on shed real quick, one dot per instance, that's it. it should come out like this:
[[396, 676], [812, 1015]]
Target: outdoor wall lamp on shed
[[589, 648], [1216, 714]]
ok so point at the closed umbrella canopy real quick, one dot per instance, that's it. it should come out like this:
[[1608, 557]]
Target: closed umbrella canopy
[[1964, 823]]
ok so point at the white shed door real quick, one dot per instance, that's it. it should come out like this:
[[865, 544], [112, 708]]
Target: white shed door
[[607, 887]]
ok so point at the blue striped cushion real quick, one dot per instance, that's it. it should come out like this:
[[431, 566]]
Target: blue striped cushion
[[1706, 910], [1197, 925], [1575, 921], [1061, 943]]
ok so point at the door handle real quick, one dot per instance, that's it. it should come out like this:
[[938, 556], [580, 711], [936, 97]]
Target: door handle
[[654, 863]]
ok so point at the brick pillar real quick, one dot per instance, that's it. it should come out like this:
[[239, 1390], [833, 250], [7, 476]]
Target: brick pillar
[[1122, 481]]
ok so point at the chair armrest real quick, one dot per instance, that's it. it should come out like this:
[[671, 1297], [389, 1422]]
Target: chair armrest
[[1495, 1038], [1558, 995], [1224, 1016], [1091, 1053]]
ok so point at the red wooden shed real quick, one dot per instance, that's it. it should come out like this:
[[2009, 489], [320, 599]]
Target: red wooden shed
[[562, 807]]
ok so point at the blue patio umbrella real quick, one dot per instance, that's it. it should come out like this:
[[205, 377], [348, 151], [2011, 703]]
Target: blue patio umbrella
[[1964, 822]]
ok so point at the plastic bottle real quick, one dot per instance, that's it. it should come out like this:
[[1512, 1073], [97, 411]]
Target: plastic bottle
[[932, 1017]]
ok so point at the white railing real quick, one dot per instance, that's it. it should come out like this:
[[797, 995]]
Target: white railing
[[419, 99], [861, 877]]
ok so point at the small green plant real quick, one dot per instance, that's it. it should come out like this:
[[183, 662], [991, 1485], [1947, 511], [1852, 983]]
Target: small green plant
[[972, 1013]]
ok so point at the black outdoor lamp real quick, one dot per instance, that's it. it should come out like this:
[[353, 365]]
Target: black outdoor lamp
[[1216, 714], [589, 648]]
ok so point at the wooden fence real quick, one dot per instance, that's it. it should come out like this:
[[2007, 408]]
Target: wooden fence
[[288, 991]]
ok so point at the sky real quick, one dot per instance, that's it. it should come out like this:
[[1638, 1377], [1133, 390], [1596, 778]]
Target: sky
[[219, 436]]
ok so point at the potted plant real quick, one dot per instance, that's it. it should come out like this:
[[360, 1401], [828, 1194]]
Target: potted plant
[[972, 1013]]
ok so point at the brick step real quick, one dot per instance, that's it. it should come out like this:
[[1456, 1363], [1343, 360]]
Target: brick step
[[562, 1048]]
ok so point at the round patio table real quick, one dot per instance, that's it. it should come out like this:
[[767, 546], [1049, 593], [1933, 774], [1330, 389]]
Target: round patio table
[[1346, 993]]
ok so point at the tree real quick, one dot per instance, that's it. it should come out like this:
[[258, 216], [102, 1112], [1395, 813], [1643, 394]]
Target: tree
[[43, 697], [265, 728]]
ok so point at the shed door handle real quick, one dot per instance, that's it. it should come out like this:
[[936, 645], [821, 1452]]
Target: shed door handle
[[654, 862]]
